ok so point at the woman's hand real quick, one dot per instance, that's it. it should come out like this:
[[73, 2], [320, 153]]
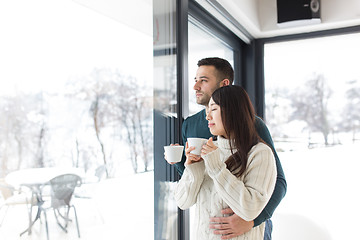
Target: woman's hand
[[191, 158], [208, 147]]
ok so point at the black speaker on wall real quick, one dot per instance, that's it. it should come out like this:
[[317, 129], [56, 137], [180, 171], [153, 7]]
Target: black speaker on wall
[[293, 10]]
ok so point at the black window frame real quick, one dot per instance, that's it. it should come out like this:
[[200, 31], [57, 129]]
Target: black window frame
[[184, 8], [215, 27]]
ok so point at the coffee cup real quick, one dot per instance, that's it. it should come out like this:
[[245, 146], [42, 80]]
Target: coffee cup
[[174, 153], [197, 143]]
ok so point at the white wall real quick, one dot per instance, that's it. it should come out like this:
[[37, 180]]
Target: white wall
[[259, 17]]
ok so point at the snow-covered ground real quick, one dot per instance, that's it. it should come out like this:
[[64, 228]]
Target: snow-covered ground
[[121, 208], [323, 200]]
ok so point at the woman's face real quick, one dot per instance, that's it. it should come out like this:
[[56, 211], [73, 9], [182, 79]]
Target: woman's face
[[213, 116]]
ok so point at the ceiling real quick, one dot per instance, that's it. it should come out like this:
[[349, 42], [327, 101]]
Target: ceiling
[[259, 17]]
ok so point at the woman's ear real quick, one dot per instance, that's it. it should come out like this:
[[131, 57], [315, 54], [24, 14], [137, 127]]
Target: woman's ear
[[225, 82]]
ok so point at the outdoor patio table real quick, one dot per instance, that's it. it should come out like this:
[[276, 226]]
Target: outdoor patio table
[[34, 179]]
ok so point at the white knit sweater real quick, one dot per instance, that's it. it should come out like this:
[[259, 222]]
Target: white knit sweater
[[213, 187]]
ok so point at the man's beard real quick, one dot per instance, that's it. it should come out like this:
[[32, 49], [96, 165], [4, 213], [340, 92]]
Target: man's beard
[[203, 100]]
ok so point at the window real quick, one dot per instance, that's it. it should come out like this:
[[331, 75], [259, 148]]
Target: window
[[75, 93], [176, 52], [206, 40], [202, 44], [312, 95]]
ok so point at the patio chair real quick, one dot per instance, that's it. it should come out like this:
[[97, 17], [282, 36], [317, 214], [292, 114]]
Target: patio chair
[[10, 196], [62, 189]]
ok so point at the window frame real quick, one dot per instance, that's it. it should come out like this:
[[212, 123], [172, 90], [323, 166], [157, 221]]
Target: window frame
[[184, 9], [215, 27]]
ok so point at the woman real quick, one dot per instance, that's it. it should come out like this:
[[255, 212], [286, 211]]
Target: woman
[[237, 171]]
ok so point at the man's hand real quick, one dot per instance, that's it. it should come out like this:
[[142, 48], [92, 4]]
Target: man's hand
[[231, 226], [172, 163]]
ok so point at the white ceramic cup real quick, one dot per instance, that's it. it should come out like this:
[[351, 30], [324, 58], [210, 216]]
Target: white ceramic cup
[[197, 143], [174, 153]]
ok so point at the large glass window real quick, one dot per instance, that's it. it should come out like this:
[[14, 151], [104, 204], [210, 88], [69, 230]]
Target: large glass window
[[312, 110], [202, 44], [76, 93], [166, 116]]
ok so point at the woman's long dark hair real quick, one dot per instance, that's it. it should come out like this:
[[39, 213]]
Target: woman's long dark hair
[[238, 117]]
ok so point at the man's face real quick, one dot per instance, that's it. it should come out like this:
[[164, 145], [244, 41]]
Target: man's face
[[205, 84]]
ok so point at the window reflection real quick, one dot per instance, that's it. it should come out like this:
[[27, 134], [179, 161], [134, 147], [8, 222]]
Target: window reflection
[[166, 119]]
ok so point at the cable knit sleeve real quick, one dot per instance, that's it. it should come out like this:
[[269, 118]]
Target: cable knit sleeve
[[188, 187], [247, 196]]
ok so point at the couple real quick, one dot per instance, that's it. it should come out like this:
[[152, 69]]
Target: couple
[[233, 179]]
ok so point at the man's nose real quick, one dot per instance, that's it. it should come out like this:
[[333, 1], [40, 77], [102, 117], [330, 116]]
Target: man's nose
[[196, 86]]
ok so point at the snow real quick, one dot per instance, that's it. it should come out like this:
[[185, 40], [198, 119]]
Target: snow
[[322, 200], [120, 208]]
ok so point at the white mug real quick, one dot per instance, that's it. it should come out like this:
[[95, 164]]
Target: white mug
[[197, 143], [173, 153]]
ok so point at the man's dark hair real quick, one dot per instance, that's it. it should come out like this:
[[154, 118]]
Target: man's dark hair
[[223, 67]]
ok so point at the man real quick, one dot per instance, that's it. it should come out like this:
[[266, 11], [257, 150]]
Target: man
[[213, 73]]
